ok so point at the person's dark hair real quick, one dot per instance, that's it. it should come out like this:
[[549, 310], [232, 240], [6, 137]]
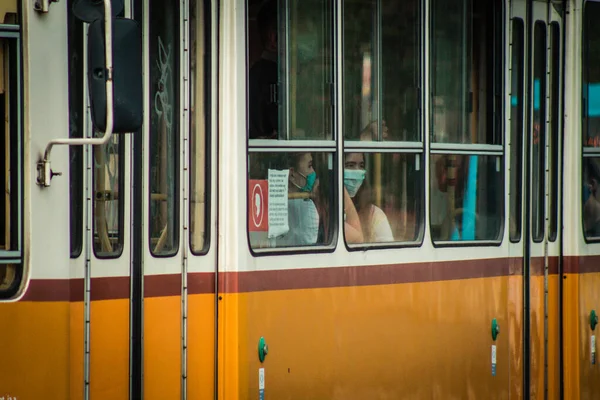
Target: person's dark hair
[[267, 20]]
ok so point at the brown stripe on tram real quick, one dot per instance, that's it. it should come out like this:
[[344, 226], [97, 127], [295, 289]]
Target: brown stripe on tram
[[112, 288], [581, 264], [537, 266], [308, 278]]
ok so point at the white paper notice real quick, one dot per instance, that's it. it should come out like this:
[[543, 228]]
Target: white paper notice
[[278, 202]]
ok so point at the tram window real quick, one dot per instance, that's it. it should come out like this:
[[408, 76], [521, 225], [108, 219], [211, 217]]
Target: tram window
[[11, 222], [538, 137], [555, 122], [164, 44], [466, 197], [200, 30], [291, 74], [108, 201], [466, 189], [591, 197], [381, 70], [516, 129], [591, 75], [386, 191], [466, 72], [290, 199], [76, 115]]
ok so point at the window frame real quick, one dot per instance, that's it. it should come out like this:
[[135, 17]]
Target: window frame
[[500, 78], [175, 151], [322, 146], [520, 114], [15, 257], [378, 145], [207, 69], [586, 151]]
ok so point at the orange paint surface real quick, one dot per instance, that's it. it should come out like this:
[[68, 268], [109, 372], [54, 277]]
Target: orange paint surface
[[422, 340], [162, 348], [201, 346], [34, 361], [109, 339]]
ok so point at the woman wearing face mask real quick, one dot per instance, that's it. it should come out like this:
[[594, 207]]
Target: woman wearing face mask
[[375, 225], [303, 216]]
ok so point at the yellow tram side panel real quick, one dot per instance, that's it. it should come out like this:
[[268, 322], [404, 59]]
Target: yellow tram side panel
[[36, 360], [201, 346], [537, 338], [583, 295], [413, 340]]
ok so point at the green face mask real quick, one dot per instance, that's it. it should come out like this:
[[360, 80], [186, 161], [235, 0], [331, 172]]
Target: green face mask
[[310, 182], [353, 180]]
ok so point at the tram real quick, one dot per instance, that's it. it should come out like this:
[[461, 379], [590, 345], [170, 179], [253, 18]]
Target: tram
[[284, 199]]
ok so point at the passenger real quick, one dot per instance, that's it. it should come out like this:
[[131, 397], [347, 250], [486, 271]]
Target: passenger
[[303, 216], [375, 225], [262, 101], [591, 204]]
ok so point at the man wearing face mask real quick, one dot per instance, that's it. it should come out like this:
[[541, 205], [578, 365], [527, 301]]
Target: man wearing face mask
[[262, 102], [375, 225]]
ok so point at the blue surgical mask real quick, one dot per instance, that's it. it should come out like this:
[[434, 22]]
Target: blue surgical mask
[[310, 182], [353, 180]]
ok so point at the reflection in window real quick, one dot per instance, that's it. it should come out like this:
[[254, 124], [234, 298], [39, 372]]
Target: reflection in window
[[290, 199], [11, 221], [76, 113], [591, 75], [108, 202], [466, 197], [516, 129], [386, 192], [9, 277], [466, 71], [290, 80], [199, 123], [591, 197], [538, 136], [164, 127], [381, 70], [555, 120]]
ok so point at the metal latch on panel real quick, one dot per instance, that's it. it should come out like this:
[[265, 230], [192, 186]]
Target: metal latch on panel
[[593, 319], [263, 349], [495, 329], [43, 6]]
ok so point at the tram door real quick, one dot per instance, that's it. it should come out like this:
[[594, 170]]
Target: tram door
[[176, 340], [536, 53], [148, 310]]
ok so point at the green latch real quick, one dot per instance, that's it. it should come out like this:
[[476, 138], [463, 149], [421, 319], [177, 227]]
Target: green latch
[[495, 329], [593, 319], [262, 349]]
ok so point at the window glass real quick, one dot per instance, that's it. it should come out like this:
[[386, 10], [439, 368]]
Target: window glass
[[556, 136], [466, 197], [591, 75], [76, 117], [199, 123], [538, 137], [516, 129], [291, 201], [591, 197], [291, 75], [381, 70], [108, 201], [385, 190], [11, 161], [164, 45], [466, 71]]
